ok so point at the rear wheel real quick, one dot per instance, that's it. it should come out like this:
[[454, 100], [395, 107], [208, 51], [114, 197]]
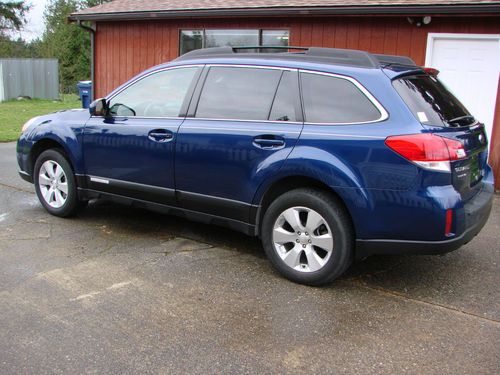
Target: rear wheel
[[307, 236], [55, 184]]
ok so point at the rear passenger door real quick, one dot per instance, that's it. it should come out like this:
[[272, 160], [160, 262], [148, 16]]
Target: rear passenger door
[[242, 124]]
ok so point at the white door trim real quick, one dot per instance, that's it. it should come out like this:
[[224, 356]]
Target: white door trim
[[431, 37]]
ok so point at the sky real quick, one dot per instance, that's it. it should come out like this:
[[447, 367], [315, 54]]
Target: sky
[[35, 23]]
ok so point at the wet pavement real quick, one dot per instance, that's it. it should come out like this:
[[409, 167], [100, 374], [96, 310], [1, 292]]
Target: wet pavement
[[121, 290]]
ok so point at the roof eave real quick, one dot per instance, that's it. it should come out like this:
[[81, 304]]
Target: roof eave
[[290, 11]]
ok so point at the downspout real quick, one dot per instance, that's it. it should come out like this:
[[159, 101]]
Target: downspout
[[91, 30]]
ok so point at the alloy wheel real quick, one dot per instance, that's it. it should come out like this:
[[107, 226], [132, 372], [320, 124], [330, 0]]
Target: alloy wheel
[[303, 239], [53, 184]]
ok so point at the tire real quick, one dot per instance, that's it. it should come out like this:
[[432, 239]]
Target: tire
[[55, 184], [308, 258]]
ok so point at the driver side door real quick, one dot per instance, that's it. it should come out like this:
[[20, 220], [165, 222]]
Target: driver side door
[[130, 152]]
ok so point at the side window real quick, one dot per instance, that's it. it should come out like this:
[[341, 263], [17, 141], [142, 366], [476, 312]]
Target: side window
[[284, 105], [158, 95], [238, 93], [330, 99]]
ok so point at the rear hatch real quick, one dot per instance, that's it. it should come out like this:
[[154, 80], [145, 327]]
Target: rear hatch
[[442, 114]]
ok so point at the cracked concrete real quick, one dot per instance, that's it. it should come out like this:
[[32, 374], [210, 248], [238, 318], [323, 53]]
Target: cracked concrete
[[120, 290]]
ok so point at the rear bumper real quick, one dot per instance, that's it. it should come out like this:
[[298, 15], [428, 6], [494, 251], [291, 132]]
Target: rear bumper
[[477, 212]]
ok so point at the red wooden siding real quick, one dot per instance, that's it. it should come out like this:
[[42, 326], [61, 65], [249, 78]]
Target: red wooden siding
[[123, 49]]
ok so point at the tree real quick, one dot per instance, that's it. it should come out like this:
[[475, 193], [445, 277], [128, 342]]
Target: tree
[[12, 15], [18, 47], [67, 42]]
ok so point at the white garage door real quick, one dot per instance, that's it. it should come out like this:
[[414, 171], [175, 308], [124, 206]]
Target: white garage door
[[469, 65]]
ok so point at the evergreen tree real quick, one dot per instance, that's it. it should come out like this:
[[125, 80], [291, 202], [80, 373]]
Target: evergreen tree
[[67, 42], [12, 15]]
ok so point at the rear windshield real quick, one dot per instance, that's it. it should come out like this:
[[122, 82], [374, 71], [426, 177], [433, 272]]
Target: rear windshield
[[431, 103]]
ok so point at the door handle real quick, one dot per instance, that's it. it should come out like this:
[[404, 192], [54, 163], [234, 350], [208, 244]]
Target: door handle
[[269, 142], [160, 135]]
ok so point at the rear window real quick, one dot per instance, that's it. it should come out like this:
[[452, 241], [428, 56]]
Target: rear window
[[329, 99], [431, 103]]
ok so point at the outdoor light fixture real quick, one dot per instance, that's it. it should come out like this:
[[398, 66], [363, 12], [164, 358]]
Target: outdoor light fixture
[[419, 21]]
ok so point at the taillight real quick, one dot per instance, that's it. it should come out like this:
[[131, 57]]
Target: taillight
[[431, 71], [427, 150]]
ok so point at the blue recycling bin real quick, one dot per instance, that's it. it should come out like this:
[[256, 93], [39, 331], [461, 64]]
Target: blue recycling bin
[[85, 92]]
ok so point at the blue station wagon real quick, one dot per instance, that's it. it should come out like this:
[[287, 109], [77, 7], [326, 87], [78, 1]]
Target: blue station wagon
[[327, 155]]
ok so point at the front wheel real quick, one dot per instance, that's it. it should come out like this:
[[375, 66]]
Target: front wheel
[[308, 237], [55, 184]]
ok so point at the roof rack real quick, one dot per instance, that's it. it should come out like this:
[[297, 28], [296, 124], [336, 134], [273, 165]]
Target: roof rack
[[393, 59], [340, 56]]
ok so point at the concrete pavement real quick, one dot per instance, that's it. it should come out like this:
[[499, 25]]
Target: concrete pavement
[[121, 290]]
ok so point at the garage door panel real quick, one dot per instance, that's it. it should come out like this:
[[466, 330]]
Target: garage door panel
[[469, 67]]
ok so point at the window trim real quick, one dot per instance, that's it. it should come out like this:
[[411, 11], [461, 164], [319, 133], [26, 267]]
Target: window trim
[[201, 83], [189, 93], [384, 115], [203, 38]]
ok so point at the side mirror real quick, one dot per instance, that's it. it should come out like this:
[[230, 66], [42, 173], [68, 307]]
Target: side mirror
[[98, 107]]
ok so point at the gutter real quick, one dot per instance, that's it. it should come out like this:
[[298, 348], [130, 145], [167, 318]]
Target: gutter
[[292, 11], [92, 31]]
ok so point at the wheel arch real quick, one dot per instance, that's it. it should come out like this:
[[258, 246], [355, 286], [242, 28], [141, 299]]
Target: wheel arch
[[44, 144], [288, 183]]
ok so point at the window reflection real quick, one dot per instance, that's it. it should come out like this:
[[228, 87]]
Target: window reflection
[[158, 95], [196, 39]]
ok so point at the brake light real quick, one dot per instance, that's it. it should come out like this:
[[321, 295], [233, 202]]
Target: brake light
[[427, 150], [431, 71]]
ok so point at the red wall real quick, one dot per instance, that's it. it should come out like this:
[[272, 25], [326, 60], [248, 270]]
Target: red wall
[[124, 49]]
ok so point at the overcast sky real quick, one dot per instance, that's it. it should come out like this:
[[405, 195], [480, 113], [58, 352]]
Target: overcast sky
[[35, 23]]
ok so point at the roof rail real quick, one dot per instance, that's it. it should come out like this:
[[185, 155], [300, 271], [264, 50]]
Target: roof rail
[[349, 57], [345, 56], [227, 50], [393, 59]]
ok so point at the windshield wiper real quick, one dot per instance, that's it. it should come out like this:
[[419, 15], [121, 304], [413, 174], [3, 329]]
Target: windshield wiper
[[456, 119]]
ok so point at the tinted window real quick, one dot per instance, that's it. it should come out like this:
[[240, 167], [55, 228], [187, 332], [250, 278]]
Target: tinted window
[[431, 103], [238, 93], [283, 106], [158, 95], [335, 100]]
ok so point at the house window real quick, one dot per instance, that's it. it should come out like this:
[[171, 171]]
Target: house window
[[221, 38], [195, 39]]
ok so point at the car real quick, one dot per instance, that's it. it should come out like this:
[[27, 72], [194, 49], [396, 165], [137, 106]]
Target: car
[[327, 155]]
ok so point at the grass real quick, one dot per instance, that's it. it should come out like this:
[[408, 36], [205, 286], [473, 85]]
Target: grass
[[14, 113]]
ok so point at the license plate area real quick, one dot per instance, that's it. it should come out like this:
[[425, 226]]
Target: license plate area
[[475, 170]]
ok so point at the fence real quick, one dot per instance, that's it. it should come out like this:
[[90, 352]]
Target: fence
[[36, 78]]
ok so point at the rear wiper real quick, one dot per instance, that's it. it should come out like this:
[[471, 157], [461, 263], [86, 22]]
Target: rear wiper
[[461, 118]]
